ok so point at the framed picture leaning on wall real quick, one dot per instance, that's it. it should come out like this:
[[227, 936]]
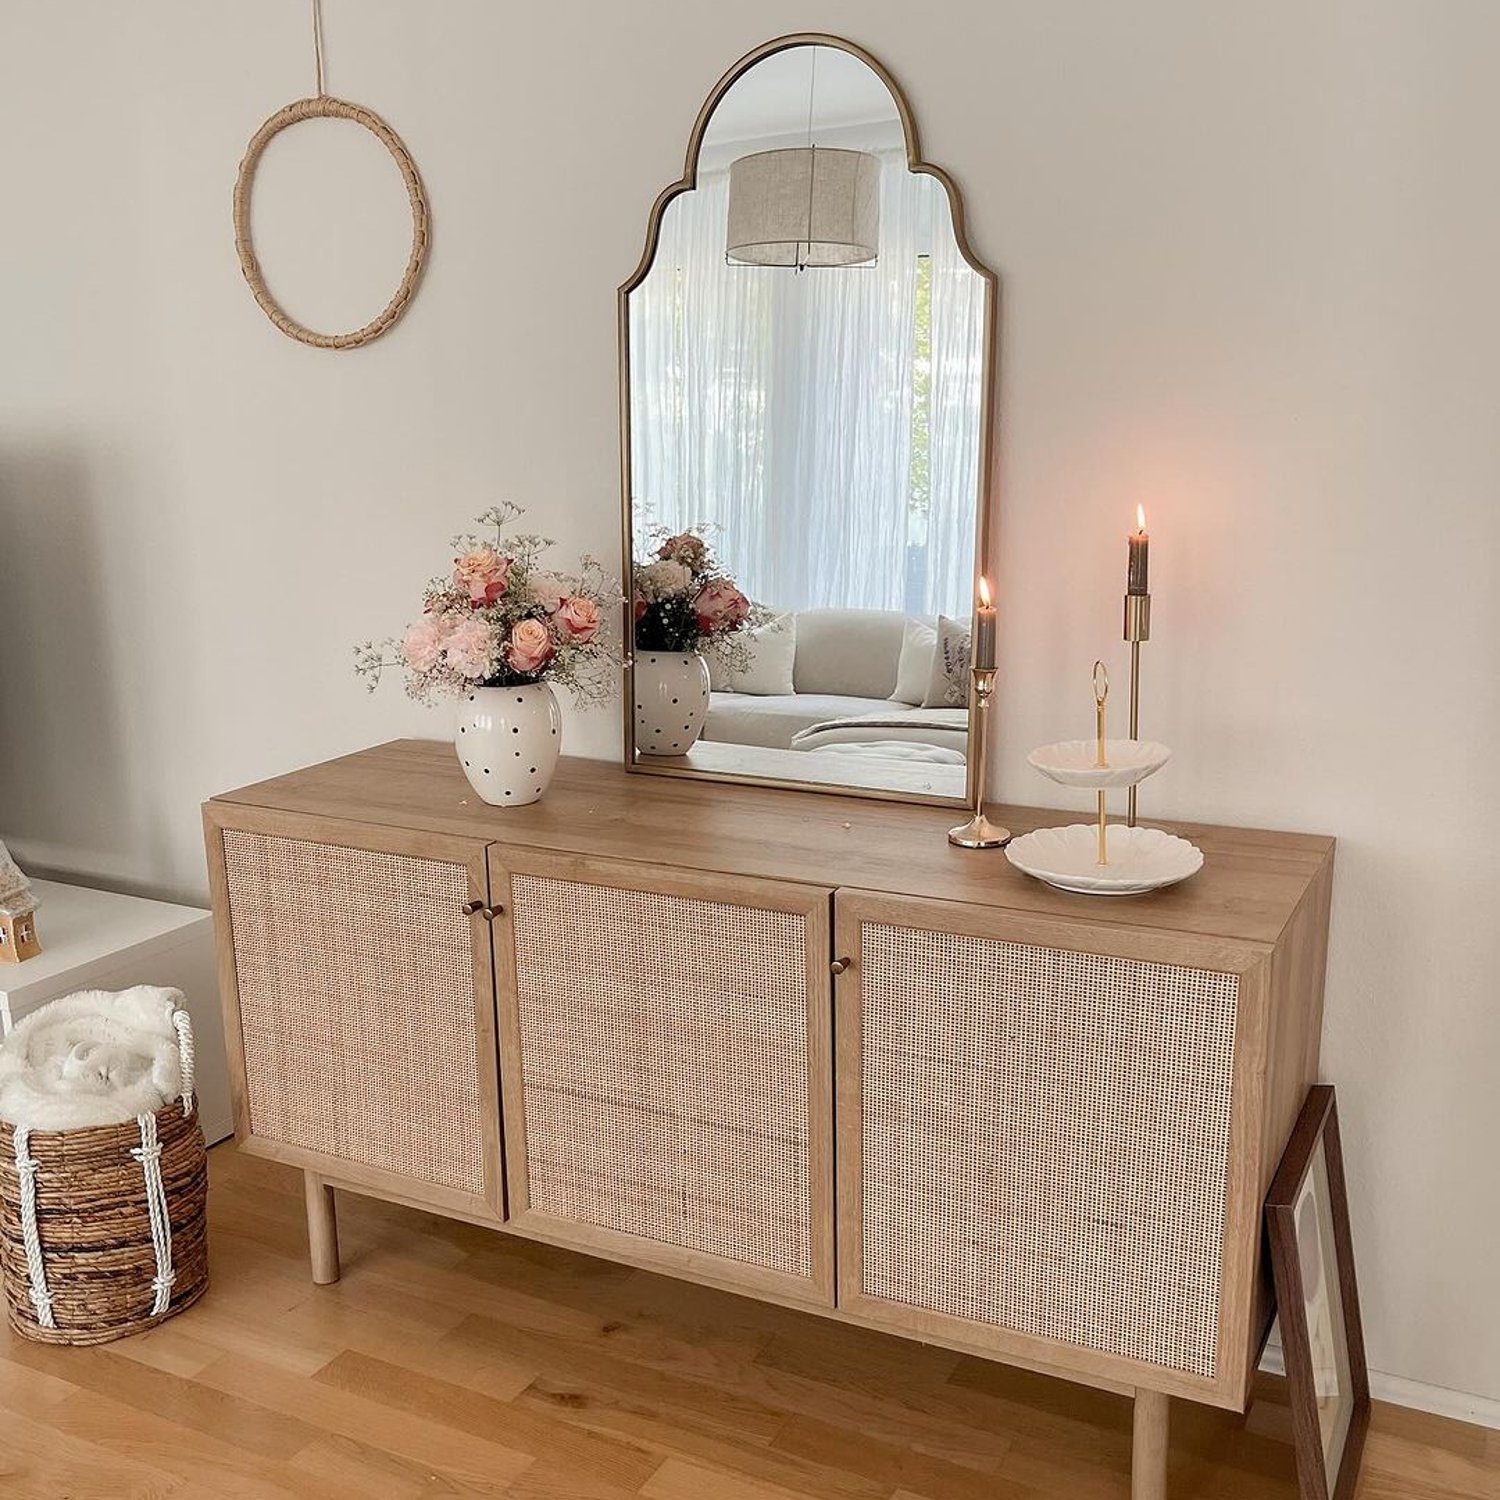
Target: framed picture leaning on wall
[[1307, 1218]]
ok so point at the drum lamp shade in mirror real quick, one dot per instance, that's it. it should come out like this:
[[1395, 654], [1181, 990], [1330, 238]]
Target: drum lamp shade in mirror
[[807, 359]]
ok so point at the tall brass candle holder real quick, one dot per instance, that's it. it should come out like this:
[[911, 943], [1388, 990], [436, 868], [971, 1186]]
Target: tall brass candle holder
[[979, 832], [1101, 757], [1137, 629]]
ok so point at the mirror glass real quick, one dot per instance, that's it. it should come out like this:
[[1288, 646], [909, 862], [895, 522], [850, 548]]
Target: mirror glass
[[808, 358]]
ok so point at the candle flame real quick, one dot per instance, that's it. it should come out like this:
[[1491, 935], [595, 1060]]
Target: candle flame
[[984, 592], [1140, 518]]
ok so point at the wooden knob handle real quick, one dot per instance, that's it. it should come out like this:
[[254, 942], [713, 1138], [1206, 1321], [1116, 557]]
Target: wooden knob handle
[[470, 907], [489, 913], [840, 964]]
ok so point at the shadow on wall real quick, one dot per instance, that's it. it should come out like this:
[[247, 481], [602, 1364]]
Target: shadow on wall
[[64, 801]]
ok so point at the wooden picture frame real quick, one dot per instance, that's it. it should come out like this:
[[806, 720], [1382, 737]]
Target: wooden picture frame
[[1307, 1221]]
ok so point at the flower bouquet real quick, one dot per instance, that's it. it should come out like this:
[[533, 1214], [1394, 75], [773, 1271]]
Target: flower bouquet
[[496, 633], [685, 607]]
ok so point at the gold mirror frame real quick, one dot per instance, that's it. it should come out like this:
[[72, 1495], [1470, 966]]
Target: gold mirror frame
[[974, 772]]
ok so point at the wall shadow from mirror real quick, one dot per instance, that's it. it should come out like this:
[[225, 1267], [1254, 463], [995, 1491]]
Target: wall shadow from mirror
[[807, 359]]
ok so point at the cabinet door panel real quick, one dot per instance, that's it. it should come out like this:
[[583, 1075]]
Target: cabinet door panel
[[362, 1004], [1045, 1136], [665, 1044]]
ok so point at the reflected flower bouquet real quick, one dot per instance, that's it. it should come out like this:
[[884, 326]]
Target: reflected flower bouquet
[[684, 601]]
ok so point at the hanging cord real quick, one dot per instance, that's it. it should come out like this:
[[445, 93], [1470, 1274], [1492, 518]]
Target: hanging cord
[[812, 166], [812, 89], [317, 23]]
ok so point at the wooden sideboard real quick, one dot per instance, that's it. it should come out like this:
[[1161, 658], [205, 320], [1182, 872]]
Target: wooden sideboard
[[792, 1045]]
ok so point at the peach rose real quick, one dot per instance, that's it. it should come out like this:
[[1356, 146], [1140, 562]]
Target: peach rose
[[720, 607], [424, 640], [690, 550], [481, 574], [470, 649], [530, 647], [578, 618]]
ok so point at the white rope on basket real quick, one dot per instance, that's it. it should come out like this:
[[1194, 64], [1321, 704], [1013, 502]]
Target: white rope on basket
[[36, 1270], [148, 1153], [183, 1023]]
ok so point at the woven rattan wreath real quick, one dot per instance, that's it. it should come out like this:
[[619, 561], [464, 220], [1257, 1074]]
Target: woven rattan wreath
[[326, 107]]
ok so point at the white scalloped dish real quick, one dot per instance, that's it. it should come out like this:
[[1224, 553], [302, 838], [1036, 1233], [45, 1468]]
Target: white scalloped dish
[[1071, 762], [1140, 859]]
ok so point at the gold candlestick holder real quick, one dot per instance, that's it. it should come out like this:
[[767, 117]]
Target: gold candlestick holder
[[1137, 630], [1101, 759], [979, 832]]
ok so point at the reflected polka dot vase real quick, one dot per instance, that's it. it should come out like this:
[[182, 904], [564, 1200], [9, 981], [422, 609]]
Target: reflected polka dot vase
[[671, 701], [508, 740]]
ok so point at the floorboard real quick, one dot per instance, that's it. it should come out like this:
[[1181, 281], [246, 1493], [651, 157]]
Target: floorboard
[[452, 1361]]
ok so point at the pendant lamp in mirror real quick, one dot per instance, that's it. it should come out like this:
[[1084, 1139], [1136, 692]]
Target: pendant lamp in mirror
[[804, 206]]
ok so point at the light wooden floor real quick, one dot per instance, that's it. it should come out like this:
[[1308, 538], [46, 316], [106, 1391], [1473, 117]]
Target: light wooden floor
[[456, 1361]]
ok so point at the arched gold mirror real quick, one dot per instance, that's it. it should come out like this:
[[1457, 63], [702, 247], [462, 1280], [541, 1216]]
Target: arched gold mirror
[[807, 355]]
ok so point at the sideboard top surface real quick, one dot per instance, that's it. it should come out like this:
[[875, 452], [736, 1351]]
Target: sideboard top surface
[[1251, 883]]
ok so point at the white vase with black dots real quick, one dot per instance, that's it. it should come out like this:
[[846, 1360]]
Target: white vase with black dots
[[508, 740], [671, 701]]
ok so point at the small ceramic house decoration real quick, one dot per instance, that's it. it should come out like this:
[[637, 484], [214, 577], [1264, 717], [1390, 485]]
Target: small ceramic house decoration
[[17, 913]]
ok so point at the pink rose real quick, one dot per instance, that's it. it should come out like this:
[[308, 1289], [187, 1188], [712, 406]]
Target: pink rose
[[424, 641], [481, 574], [530, 647], [691, 551], [578, 618], [720, 607], [470, 649]]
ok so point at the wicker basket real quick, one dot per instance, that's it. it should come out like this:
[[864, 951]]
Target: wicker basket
[[116, 1220]]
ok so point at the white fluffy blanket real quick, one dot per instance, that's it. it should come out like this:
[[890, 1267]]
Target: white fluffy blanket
[[93, 1058]]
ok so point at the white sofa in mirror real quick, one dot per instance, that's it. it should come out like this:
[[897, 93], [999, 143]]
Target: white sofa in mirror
[[808, 353], [866, 691]]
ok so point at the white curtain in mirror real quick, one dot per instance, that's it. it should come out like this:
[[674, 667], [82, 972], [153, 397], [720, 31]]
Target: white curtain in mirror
[[823, 420]]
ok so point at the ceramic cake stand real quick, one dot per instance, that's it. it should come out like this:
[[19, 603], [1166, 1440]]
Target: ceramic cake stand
[[1137, 859]]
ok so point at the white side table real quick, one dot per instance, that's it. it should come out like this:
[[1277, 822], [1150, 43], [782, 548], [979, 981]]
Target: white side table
[[97, 940]]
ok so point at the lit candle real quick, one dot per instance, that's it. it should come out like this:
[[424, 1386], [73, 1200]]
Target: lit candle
[[984, 640], [1140, 543]]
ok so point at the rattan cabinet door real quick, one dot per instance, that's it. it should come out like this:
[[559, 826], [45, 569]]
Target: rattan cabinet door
[[1038, 1150], [360, 1003], [666, 1069]]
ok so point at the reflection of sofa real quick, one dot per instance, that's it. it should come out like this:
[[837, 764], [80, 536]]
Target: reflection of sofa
[[844, 669]]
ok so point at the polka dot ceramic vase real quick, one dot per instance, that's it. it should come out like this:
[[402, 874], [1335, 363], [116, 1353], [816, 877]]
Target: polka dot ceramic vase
[[671, 701], [508, 740]]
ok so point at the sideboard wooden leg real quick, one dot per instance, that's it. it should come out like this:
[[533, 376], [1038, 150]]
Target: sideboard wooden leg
[[322, 1230], [1148, 1460]]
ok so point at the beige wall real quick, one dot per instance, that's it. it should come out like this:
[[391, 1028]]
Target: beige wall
[[1249, 256]]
